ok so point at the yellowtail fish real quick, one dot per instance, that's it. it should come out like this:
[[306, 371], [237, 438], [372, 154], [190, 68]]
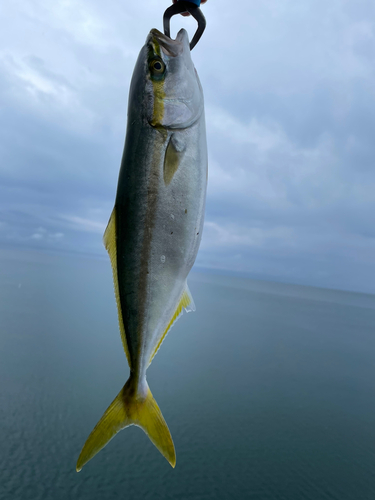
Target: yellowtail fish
[[155, 228]]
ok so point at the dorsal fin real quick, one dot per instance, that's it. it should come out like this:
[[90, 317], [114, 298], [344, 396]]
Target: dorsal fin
[[186, 302], [110, 243]]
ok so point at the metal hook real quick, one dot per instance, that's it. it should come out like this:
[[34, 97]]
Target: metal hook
[[185, 6]]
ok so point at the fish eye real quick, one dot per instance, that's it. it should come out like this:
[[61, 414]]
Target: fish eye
[[157, 67]]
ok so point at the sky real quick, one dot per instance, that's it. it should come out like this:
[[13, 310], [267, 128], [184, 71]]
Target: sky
[[290, 112]]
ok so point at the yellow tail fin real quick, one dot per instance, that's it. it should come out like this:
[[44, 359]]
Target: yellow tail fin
[[130, 408]]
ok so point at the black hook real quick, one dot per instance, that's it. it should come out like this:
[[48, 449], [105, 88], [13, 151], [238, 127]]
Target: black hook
[[185, 6]]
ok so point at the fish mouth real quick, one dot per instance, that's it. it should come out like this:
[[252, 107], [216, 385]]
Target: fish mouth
[[169, 46]]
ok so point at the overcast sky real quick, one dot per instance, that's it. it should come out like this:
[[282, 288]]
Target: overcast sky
[[290, 110]]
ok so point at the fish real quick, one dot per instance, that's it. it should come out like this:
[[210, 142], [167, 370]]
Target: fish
[[155, 228]]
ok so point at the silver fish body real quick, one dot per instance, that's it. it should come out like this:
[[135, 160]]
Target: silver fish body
[[156, 226]]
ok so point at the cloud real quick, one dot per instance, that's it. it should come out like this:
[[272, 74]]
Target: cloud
[[290, 112], [86, 225], [42, 234], [237, 237], [260, 163]]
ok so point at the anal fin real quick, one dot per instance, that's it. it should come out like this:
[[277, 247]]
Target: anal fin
[[186, 302]]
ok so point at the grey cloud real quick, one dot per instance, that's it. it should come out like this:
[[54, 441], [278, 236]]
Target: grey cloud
[[290, 120]]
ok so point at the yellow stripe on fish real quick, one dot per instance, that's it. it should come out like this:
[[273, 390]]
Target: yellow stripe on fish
[[159, 96]]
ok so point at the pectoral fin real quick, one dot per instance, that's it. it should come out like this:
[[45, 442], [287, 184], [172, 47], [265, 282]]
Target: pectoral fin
[[173, 156]]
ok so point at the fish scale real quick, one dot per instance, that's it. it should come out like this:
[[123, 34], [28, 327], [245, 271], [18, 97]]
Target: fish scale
[[156, 226]]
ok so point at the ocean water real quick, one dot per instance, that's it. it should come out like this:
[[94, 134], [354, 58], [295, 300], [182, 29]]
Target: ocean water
[[268, 389]]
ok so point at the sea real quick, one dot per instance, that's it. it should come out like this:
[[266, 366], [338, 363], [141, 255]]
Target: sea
[[268, 389]]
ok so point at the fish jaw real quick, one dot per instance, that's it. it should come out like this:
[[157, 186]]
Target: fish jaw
[[169, 46], [176, 94]]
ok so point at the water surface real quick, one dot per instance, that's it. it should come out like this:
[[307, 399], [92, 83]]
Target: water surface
[[268, 389]]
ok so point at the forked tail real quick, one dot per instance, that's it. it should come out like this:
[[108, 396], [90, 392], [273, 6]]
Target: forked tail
[[130, 407]]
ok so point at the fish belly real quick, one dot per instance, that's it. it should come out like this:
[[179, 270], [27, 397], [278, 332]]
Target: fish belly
[[159, 225]]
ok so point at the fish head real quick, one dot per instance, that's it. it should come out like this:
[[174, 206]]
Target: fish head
[[167, 83]]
